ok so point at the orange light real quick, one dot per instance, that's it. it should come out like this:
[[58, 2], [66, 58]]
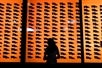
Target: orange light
[[57, 19], [10, 34]]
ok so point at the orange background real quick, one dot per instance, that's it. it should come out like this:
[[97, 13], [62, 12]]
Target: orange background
[[11, 27], [50, 33]]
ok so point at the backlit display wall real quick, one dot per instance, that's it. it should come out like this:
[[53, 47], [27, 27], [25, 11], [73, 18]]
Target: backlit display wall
[[10, 30], [92, 30], [58, 19]]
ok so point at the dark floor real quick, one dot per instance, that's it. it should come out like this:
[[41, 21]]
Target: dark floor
[[61, 65]]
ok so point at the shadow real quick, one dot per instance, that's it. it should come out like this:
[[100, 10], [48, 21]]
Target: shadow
[[51, 53]]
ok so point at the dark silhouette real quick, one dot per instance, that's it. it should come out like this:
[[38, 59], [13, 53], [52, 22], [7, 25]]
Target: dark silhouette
[[51, 53]]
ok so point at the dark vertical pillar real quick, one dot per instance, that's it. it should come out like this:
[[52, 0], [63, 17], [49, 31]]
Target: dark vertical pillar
[[81, 31], [23, 38]]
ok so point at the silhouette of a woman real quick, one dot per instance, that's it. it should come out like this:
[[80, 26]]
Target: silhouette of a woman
[[51, 53]]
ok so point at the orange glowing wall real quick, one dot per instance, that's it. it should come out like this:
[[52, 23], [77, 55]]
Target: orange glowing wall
[[10, 30], [59, 19], [92, 30]]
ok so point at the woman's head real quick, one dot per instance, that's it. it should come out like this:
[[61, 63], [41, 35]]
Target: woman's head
[[51, 42]]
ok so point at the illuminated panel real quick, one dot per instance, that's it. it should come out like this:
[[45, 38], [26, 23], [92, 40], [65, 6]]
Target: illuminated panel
[[10, 23], [92, 24], [58, 19]]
